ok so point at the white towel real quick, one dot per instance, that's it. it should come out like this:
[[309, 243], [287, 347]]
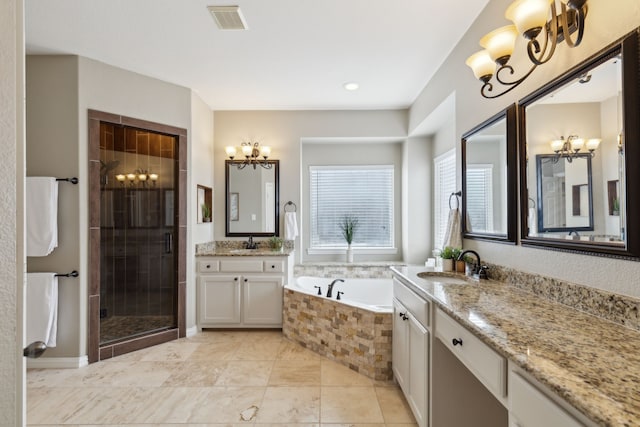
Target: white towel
[[532, 222], [42, 308], [453, 236], [290, 226], [42, 215]]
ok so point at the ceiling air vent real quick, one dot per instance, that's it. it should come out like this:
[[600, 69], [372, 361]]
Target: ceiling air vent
[[228, 17]]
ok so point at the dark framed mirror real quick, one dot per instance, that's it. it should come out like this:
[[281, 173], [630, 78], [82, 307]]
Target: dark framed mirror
[[590, 118], [252, 198], [489, 179]]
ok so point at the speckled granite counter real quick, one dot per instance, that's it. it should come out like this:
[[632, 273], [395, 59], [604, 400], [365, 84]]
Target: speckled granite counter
[[236, 248], [592, 363]]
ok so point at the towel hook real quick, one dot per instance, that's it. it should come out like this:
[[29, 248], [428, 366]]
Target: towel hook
[[457, 194], [290, 203]]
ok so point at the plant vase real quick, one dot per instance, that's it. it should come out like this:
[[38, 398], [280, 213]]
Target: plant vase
[[349, 254], [447, 264]]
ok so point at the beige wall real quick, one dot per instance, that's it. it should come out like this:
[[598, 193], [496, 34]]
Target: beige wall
[[60, 90], [605, 24], [12, 258], [284, 131]]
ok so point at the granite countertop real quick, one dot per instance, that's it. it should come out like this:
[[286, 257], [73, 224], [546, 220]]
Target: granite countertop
[[243, 252], [590, 362]]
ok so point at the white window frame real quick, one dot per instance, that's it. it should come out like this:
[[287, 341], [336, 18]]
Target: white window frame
[[444, 183], [338, 249]]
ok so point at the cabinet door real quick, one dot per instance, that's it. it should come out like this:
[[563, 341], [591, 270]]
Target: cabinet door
[[400, 345], [219, 299], [418, 370], [262, 300]]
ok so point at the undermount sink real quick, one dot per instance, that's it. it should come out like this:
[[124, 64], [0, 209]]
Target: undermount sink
[[448, 278]]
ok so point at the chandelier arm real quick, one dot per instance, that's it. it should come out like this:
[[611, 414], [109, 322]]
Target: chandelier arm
[[488, 87], [551, 33]]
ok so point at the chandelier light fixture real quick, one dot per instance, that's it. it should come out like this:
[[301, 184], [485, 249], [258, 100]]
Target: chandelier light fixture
[[529, 18], [252, 153], [572, 146], [139, 175]]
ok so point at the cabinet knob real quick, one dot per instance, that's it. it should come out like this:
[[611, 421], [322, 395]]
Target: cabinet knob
[[208, 266], [235, 279], [457, 341], [246, 280], [273, 266], [403, 316]]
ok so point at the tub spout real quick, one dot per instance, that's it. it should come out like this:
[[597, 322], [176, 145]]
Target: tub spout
[[330, 288]]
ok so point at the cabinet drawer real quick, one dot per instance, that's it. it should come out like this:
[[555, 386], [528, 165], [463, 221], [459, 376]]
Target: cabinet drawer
[[418, 307], [207, 266], [244, 266], [487, 365], [529, 407], [273, 266]]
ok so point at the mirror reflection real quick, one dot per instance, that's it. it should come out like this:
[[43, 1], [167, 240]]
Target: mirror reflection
[[489, 178], [251, 199], [574, 136], [565, 201]]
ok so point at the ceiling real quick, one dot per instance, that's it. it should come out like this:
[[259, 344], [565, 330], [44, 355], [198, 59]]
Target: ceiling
[[296, 54]]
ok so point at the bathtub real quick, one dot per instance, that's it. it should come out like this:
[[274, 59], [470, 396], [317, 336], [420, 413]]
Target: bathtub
[[375, 295], [355, 331]]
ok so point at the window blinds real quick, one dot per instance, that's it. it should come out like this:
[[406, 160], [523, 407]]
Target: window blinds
[[364, 192], [480, 197], [445, 184]]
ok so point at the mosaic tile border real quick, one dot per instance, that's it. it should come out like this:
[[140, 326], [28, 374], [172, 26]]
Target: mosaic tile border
[[374, 270]]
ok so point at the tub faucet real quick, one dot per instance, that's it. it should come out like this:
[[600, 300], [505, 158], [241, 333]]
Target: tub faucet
[[330, 288], [576, 235], [479, 270]]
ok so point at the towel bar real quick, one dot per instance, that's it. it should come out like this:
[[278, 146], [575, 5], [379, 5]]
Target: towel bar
[[74, 273], [290, 203], [73, 180]]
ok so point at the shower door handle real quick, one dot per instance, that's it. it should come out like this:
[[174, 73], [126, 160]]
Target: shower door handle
[[168, 243]]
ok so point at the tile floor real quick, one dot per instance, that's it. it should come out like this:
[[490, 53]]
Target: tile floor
[[215, 379]]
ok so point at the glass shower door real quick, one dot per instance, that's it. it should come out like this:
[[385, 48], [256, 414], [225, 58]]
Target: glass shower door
[[138, 258]]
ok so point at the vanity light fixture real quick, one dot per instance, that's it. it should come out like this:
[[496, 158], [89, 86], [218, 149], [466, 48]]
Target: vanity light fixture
[[529, 18], [138, 175], [572, 146], [252, 153], [351, 86]]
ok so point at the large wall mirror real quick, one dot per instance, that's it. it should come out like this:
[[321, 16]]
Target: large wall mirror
[[489, 179], [579, 151], [252, 199]]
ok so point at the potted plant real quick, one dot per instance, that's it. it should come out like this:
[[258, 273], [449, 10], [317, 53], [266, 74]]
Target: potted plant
[[348, 226], [275, 243], [458, 264], [206, 213], [447, 255]]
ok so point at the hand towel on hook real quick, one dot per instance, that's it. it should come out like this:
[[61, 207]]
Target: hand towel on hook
[[290, 226]]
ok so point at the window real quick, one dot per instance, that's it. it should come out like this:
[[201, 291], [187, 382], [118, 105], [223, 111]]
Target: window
[[365, 192], [444, 185], [480, 197]]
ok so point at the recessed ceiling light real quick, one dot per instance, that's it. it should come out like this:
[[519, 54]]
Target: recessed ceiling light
[[351, 86]]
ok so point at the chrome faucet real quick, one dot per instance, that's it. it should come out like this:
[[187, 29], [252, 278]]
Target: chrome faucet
[[330, 288], [576, 235], [250, 244], [479, 271]]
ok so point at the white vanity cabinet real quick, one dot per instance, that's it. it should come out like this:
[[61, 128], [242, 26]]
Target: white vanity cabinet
[[531, 405], [410, 348], [242, 291]]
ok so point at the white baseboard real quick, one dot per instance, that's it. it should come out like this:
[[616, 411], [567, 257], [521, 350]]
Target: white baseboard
[[58, 362], [192, 331]]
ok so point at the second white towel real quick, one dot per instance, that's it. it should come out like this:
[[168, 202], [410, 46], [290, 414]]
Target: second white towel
[[290, 226], [42, 308], [42, 215]]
